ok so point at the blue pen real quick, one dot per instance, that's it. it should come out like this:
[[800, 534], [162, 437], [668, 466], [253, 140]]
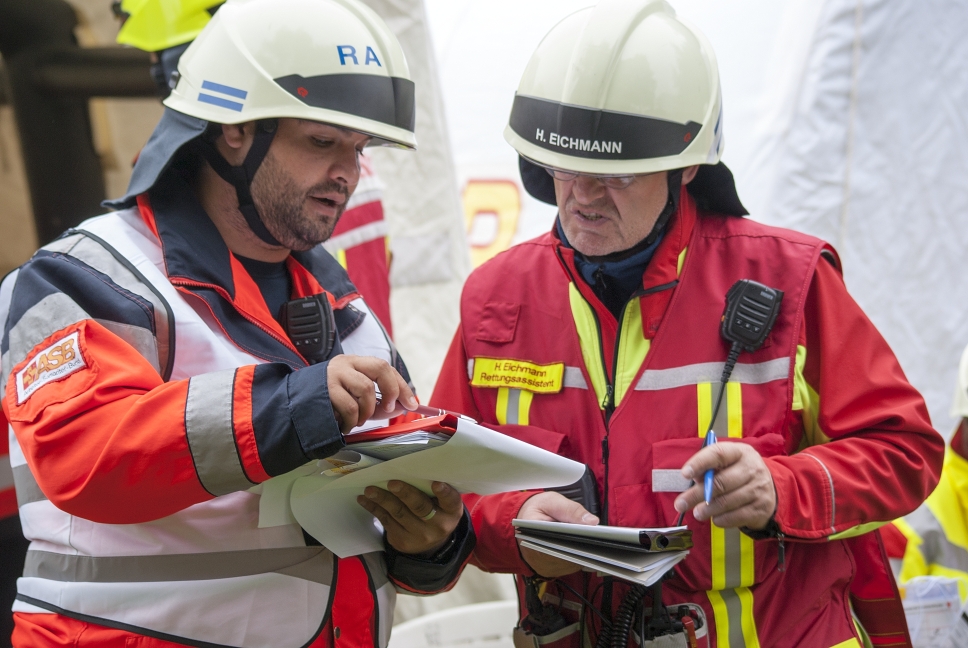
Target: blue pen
[[708, 478]]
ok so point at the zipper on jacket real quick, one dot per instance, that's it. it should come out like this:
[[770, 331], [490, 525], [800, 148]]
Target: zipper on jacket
[[608, 405], [252, 320], [781, 552]]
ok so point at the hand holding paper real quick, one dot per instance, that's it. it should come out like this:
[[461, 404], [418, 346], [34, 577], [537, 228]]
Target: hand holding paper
[[473, 460], [552, 507], [414, 523]]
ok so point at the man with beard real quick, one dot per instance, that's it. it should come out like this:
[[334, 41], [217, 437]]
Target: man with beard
[[162, 361]]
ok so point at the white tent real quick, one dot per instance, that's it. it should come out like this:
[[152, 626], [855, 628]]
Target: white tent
[[863, 141]]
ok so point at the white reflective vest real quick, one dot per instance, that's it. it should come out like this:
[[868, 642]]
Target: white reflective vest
[[207, 573]]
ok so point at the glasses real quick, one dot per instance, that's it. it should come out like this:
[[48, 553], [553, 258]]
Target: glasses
[[610, 181]]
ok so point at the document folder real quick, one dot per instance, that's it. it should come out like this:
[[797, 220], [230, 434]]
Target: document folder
[[639, 555]]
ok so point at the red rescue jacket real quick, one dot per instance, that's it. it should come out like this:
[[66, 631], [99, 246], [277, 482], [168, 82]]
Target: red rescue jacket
[[823, 401]]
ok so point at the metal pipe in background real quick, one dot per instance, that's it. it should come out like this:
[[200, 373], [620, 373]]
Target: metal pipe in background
[[49, 81]]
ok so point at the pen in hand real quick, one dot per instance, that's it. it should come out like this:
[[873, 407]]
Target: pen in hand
[[708, 477]]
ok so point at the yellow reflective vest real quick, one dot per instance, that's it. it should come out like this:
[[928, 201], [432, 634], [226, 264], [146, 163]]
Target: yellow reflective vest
[[937, 532]]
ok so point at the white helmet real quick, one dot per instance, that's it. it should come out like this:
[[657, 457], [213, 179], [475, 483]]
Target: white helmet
[[625, 87], [331, 61]]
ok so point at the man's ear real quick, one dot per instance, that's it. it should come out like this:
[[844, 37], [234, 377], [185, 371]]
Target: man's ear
[[235, 141], [689, 174]]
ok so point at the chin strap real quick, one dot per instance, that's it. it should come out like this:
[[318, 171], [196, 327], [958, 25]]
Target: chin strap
[[241, 176]]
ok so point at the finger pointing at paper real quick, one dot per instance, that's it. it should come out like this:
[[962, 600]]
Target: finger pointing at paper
[[414, 522]]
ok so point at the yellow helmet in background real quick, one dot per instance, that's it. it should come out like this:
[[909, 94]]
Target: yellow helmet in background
[[156, 25]]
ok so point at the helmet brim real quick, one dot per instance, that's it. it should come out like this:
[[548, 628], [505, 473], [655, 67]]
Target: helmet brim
[[713, 188]]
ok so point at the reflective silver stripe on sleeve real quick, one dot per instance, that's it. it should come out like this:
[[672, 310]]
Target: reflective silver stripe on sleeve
[[357, 236], [574, 378], [935, 546], [749, 373], [43, 319], [211, 435], [307, 563], [6, 473], [101, 259], [28, 491], [6, 294]]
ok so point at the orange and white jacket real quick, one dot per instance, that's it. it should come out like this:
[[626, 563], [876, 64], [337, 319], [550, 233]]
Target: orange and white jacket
[[149, 391]]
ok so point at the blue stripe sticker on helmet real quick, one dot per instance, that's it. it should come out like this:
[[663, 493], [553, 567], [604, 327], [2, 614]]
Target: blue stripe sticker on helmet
[[224, 89], [218, 101]]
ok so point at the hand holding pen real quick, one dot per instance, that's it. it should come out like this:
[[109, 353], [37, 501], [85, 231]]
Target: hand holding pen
[[737, 489]]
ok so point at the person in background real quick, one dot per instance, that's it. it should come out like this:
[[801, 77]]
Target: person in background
[[601, 341], [165, 29], [933, 540]]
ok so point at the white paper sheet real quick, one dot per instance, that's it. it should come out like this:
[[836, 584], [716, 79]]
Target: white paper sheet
[[631, 560], [647, 577], [475, 460]]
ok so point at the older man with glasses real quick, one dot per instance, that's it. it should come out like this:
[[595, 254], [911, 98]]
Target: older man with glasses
[[619, 310]]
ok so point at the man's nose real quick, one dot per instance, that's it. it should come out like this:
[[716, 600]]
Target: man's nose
[[345, 168], [587, 189]]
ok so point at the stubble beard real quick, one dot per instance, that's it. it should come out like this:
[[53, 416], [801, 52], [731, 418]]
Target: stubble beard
[[282, 206]]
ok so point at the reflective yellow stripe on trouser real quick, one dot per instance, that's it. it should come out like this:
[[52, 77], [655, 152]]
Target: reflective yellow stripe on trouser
[[733, 570], [513, 406]]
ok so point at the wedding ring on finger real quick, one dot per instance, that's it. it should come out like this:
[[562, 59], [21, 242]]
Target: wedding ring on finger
[[430, 516]]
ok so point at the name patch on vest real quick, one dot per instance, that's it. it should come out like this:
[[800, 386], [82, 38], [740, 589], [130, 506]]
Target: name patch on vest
[[57, 361], [518, 374]]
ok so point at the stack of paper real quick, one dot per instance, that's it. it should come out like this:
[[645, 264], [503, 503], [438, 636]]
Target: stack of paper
[[473, 459], [390, 446], [639, 555]]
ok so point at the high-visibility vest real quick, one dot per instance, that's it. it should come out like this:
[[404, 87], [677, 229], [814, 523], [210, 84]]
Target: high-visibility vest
[[207, 574], [937, 532]]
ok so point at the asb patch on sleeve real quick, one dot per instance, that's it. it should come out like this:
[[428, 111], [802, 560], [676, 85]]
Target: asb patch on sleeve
[[59, 360]]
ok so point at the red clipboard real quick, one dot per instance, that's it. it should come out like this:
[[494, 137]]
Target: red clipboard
[[444, 424]]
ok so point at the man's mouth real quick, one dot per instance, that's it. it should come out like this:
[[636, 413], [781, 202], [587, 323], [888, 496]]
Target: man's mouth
[[328, 202], [589, 215]]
